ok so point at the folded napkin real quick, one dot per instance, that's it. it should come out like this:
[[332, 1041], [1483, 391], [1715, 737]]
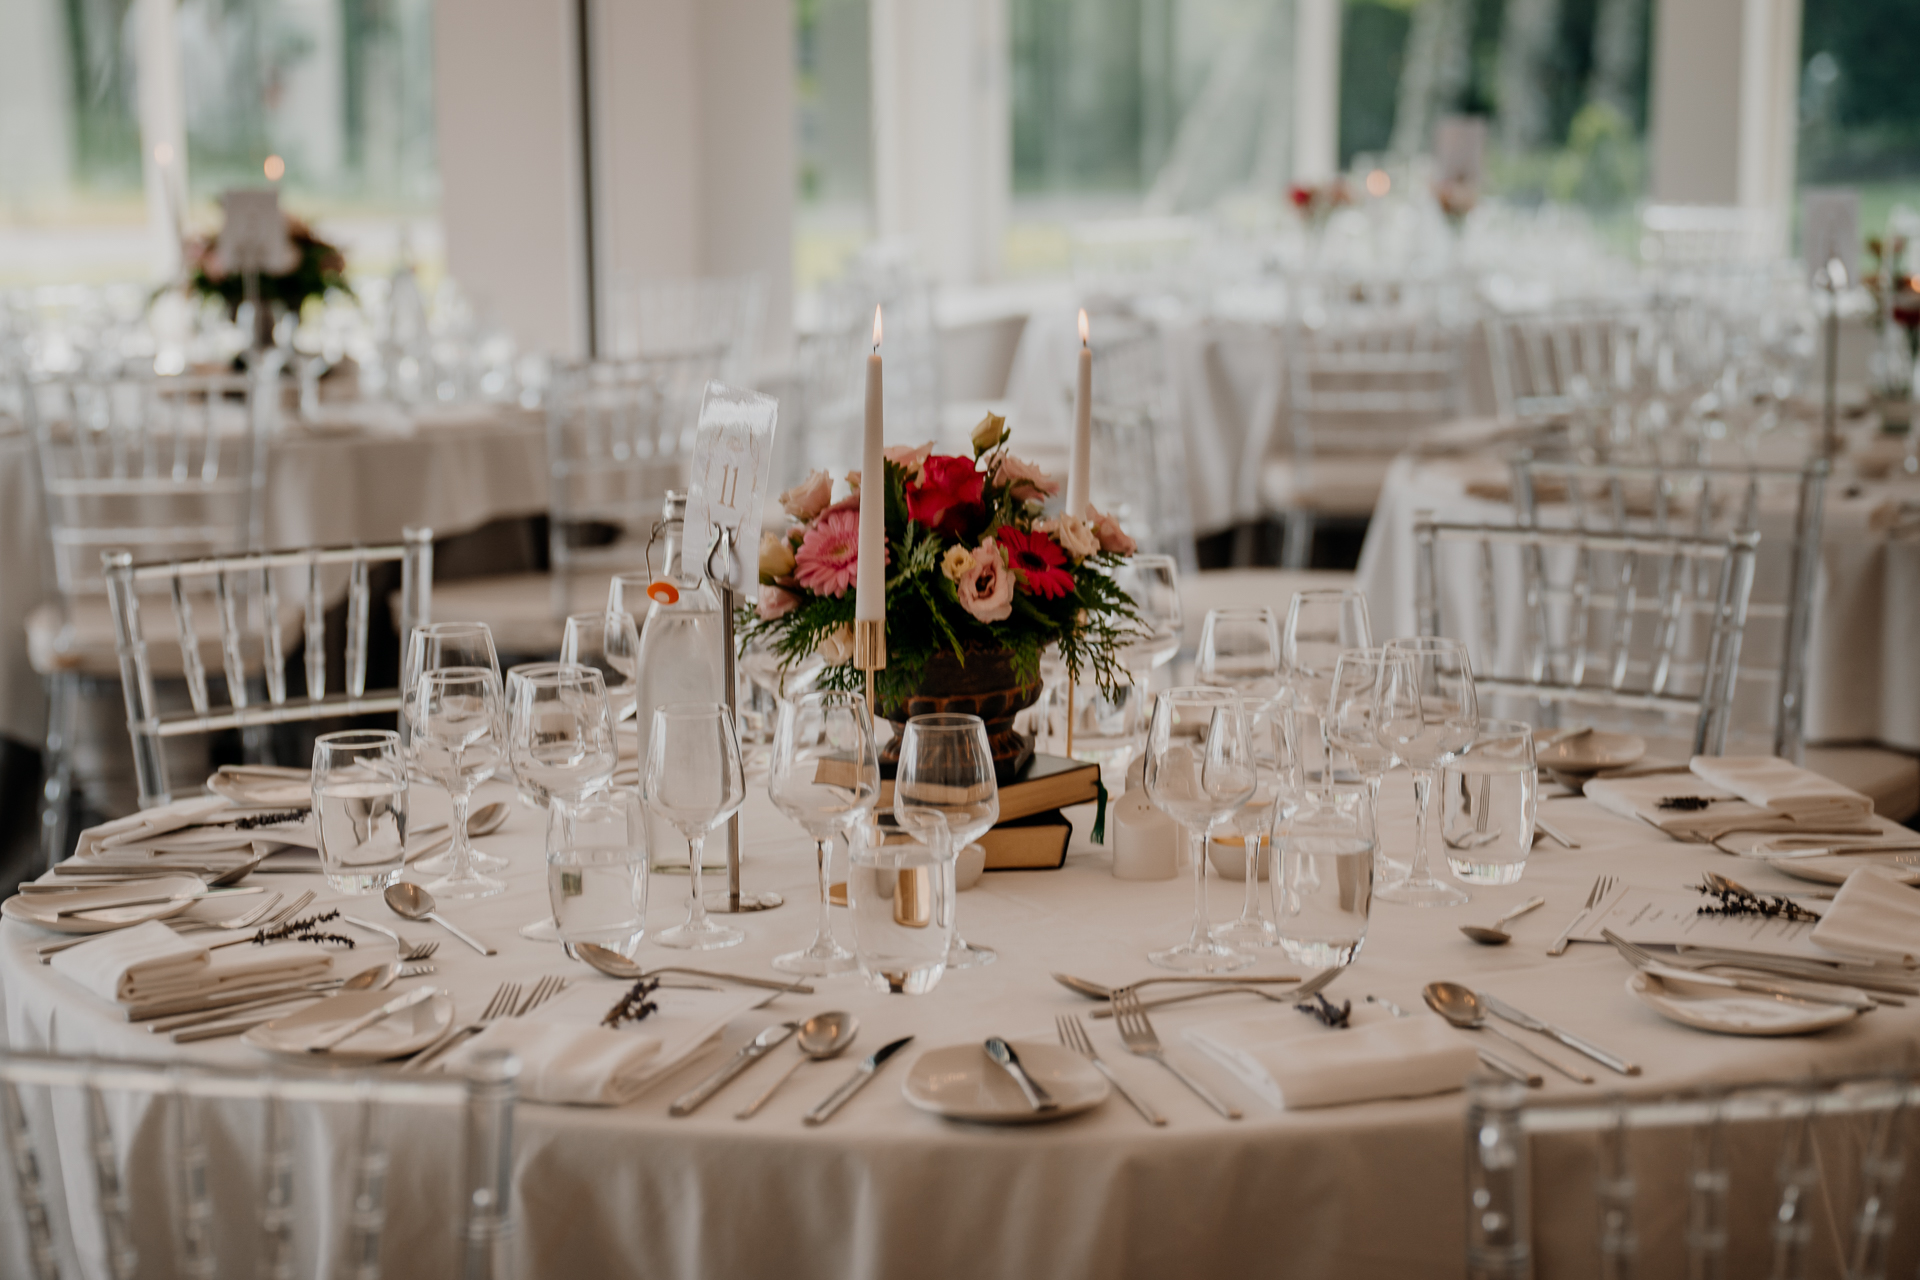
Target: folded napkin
[[1875, 916], [1799, 795], [150, 963], [566, 1056], [195, 830], [148, 823], [1723, 812], [1294, 1062]]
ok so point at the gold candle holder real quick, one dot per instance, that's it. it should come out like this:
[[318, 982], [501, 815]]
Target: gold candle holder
[[870, 653]]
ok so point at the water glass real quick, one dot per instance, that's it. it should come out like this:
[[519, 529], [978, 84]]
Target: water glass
[[825, 775], [360, 808], [597, 871], [1427, 715], [1326, 876], [1489, 797], [560, 731], [1199, 772], [1358, 678], [1152, 583], [459, 741], [1108, 725], [694, 781], [1276, 791], [945, 794], [609, 642], [434, 647], [1240, 650], [902, 893]]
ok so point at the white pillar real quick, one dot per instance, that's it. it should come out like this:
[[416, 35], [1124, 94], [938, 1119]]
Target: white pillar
[[163, 132], [1316, 90]]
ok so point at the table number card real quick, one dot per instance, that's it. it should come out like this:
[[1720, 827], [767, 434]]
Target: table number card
[[732, 456], [1829, 228], [253, 236]]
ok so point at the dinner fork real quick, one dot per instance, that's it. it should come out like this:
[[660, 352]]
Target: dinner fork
[[246, 920], [1143, 1042], [1308, 988], [1074, 1036], [1602, 886], [505, 998], [544, 990], [408, 950]]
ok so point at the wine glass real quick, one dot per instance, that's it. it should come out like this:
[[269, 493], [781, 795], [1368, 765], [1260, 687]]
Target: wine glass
[[1199, 771], [458, 737], [945, 792], [1351, 724], [433, 647], [1321, 625], [609, 642], [1240, 650], [694, 781], [1152, 583], [1276, 790], [1427, 716], [627, 593], [561, 745], [825, 775]]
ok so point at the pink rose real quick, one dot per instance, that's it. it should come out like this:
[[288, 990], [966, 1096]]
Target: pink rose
[[986, 591], [910, 460], [775, 603], [827, 562], [808, 498], [1112, 537], [1025, 479]]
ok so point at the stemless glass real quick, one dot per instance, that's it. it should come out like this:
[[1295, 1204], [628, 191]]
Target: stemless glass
[[1199, 770], [1240, 650], [695, 782], [825, 775], [1321, 625], [1275, 790], [1427, 716], [901, 892], [1325, 870], [597, 871], [360, 808], [1489, 797], [609, 642], [458, 741], [1358, 678], [944, 793], [433, 647], [1152, 583]]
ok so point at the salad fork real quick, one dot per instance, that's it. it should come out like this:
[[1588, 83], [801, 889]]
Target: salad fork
[[1602, 886], [1074, 1036], [1144, 1042], [506, 998]]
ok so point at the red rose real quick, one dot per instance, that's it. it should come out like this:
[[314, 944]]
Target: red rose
[[947, 496]]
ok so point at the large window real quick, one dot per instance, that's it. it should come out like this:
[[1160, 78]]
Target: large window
[[834, 211], [337, 92], [1860, 102]]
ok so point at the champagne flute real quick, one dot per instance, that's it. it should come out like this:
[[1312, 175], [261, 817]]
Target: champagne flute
[[1275, 793], [609, 642], [825, 775], [695, 782], [944, 794], [1321, 625], [1199, 771], [1427, 715], [433, 647], [1351, 721], [458, 741]]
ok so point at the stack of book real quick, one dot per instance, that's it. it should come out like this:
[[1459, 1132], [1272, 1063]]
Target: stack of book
[[1032, 833]]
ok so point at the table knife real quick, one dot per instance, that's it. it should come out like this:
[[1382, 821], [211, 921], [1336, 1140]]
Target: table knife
[[1007, 1060], [1501, 1009], [751, 1052], [861, 1077], [1806, 992], [418, 995], [64, 912]]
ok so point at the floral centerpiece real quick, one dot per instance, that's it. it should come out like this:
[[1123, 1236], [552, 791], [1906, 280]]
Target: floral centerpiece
[[1457, 199], [320, 267], [1316, 202], [980, 581], [1891, 368]]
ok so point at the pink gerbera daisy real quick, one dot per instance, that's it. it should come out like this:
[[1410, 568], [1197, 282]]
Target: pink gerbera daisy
[[828, 559], [1036, 561]]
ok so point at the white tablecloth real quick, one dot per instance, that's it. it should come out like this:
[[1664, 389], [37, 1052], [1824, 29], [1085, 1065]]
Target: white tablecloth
[[449, 470], [1863, 660], [887, 1191]]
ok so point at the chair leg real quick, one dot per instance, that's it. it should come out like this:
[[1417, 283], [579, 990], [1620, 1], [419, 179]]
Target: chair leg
[[56, 792], [1296, 552]]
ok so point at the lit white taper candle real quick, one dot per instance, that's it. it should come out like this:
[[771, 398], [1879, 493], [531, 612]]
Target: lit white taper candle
[[870, 587], [1077, 492]]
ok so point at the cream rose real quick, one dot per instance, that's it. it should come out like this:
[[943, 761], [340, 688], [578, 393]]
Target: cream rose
[[990, 434], [808, 498], [956, 563], [838, 646], [776, 556], [1074, 537], [776, 603], [1025, 479], [1108, 531], [910, 460]]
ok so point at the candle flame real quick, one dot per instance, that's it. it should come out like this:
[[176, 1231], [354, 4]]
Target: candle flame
[[275, 168], [1379, 182], [876, 328], [1083, 326]]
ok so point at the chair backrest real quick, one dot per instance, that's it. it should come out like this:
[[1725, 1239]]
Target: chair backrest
[[108, 1116], [820, 421], [712, 319], [1636, 622], [1366, 387], [1139, 465], [246, 595], [883, 276], [1784, 505], [167, 466], [1738, 1158], [1555, 363]]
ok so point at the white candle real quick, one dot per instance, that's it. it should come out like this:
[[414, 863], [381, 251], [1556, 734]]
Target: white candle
[[870, 587], [1077, 493]]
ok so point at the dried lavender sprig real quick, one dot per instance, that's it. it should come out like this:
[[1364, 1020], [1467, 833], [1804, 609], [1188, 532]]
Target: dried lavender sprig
[[635, 1005], [307, 930]]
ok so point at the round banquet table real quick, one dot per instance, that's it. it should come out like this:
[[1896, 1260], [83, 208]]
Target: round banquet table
[[883, 1190]]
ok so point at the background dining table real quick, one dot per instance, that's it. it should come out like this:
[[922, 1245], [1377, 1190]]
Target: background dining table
[[1368, 1190]]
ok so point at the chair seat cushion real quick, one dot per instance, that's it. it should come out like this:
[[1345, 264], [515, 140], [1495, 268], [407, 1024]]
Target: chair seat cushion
[[1335, 484], [1890, 777], [79, 640], [518, 607]]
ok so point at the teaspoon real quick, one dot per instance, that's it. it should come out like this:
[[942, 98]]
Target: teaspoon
[[484, 821], [411, 902], [822, 1036], [1460, 1006], [1493, 935]]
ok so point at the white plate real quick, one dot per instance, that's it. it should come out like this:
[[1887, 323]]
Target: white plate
[[40, 909], [1589, 753], [961, 1082], [1834, 868], [265, 786], [407, 1031], [1734, 1013]]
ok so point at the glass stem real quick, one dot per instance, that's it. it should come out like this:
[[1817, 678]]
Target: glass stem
[[462, 798], [1422, 789], [1197, 844], [1326, 761], [823, 936], [1250, 910], [697, 911]]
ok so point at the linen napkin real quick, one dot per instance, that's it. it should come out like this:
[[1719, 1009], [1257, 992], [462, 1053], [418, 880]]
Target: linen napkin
[[566, 1056], [150, 963], [1799, 795], [1295, 1063], [137, 827], [1875, 916], [1722, 811]]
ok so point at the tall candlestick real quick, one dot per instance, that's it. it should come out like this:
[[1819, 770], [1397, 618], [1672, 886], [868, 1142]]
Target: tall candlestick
[[1077, 492], [870, 582]]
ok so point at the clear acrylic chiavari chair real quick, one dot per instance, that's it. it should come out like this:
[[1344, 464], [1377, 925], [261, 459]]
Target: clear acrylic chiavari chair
[[167, 1204]]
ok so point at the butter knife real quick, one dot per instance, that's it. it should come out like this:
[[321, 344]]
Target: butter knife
[[751, 1052], [861, 1077], [1007, 1060], [418, 995], [1501, 1009]]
